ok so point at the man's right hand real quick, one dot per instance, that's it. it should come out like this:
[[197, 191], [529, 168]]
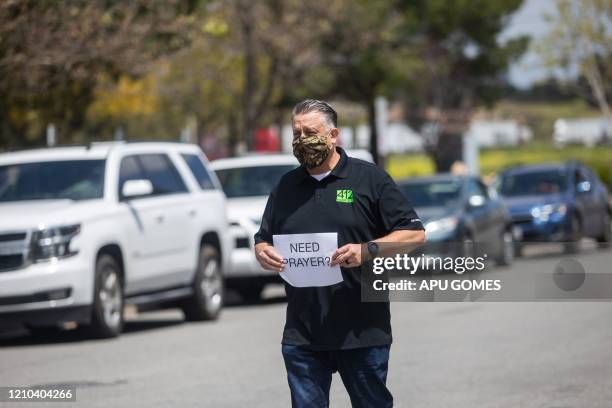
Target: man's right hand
[[268, 257]]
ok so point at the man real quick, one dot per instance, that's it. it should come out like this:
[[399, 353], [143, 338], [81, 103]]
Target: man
[[328, 328]]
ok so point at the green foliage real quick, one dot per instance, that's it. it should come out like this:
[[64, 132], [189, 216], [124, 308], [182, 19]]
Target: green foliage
[[458, 43], [54, 53], [581, 37], [410, 165], [231, 66]]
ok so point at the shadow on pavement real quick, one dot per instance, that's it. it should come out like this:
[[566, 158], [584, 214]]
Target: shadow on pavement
[[238, 302], [20, 336], [25, 337], [554, 250], [273, 294], [135, 326]]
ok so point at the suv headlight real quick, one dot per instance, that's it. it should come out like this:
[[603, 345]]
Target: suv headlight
[[544, 212], [54, 242], [438, 228]]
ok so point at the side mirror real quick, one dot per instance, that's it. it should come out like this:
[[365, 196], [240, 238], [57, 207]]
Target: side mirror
[[476, 201], [583, 187], [136, 188]]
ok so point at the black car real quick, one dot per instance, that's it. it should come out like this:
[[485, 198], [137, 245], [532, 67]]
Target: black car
[[557, 202], [461, 209]]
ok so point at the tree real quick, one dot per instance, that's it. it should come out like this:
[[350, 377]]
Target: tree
[[463, 66], [277, 43], [246, 62], [581, 37], [362, 51], [52, 54], [440, 56]]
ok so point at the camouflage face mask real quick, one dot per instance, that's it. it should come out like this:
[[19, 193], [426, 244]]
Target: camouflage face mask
[[311, 151]]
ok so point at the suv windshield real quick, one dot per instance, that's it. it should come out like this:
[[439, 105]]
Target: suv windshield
[[533, 183], [432, 194], [251, 181], [70, 179]]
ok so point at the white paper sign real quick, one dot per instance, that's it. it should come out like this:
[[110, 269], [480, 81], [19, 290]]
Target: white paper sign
[[307, 258]]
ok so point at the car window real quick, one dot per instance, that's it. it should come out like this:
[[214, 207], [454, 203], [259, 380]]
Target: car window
[[199, 171], [129, 169], [537, 182], [162, 174], [474, 187], [251, 181], [583, 180], [484, 190], [580, 176], [66, 179], [432, 194], [590, 175]]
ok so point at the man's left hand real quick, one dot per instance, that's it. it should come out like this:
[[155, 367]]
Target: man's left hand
[[347, 256]]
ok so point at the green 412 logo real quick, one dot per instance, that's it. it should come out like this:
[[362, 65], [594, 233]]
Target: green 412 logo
[[344, 196]]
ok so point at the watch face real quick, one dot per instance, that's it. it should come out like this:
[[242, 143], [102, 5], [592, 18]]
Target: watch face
[[373, 248]]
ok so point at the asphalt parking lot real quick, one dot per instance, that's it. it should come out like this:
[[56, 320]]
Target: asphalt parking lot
[[472, 354]]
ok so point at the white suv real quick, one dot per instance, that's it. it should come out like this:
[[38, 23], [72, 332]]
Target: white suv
[[84, 230]]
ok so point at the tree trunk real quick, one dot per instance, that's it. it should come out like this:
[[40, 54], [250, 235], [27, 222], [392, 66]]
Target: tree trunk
[[449, 149], [373, 131], [594, 78], [232, 137], [248, 102]]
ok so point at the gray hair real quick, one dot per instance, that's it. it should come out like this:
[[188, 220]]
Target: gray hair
[[314, 105]]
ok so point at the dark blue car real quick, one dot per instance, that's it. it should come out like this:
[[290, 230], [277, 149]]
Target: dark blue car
[[461, 209], [557, 202]]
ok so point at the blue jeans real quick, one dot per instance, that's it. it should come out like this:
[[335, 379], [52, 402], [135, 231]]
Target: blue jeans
[[363, 372]]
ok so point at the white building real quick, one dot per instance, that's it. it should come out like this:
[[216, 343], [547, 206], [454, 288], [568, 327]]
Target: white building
[[499, 133], [586, 131]]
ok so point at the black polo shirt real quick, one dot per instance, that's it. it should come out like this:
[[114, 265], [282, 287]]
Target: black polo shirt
[[360, 202]]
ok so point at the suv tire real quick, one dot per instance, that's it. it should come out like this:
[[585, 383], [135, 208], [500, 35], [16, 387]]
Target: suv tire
[[604, 239], [572, 246], [107, 314], [206, 301], [506, 253]]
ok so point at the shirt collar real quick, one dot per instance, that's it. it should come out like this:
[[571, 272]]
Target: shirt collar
[[340, 170]]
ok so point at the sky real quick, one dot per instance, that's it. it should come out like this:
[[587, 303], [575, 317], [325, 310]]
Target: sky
[[529, 20]]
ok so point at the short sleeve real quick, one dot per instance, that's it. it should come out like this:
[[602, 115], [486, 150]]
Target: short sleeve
[[265, 229], [395, 210]]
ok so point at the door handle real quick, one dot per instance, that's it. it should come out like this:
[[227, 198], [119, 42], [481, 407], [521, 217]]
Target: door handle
[[159, 218], [193, 213]]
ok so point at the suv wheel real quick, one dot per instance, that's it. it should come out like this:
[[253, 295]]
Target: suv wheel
[[606, 237], [107, 315], [519, 247], [506, 255], [468, 246], [575, 235], [207, 299]]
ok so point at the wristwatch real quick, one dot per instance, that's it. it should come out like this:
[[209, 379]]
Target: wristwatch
[[373, 249]]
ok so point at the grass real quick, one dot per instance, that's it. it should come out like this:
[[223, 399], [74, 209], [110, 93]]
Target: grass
[[494, 160]]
